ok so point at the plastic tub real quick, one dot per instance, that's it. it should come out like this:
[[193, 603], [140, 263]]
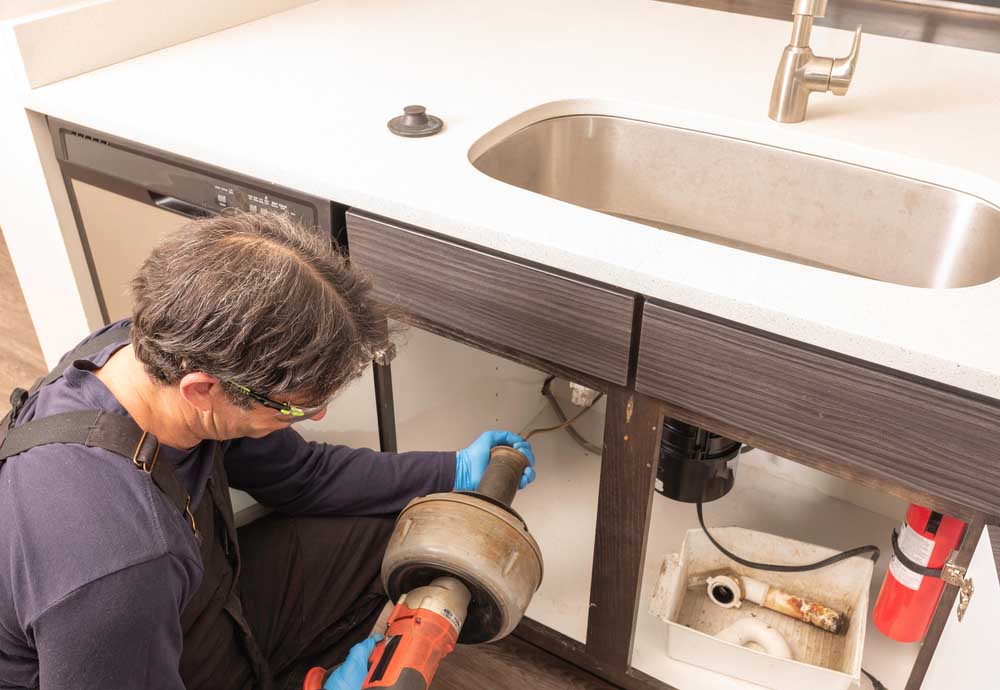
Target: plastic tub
[[821, 660]]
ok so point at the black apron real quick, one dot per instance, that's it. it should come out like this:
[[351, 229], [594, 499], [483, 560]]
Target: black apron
[[212, 521]]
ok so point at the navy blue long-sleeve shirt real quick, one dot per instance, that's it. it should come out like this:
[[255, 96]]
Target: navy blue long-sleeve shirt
[[96, 564]]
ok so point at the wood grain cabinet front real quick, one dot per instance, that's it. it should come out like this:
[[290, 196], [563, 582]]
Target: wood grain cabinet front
[[909, 436], [496, 300]]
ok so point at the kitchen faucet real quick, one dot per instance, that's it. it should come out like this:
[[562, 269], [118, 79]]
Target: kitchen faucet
[[800, 72]]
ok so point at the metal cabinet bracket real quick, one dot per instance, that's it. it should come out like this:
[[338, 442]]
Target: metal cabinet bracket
[[384, 356], [955, 575]]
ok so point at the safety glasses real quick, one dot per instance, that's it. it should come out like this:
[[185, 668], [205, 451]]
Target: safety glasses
[[287, 412]]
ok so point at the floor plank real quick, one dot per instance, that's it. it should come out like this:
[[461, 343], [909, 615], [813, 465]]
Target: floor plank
[[511, 664], [21, 360]]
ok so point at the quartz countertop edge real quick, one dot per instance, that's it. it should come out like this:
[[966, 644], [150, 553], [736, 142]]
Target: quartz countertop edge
[[339, 69]]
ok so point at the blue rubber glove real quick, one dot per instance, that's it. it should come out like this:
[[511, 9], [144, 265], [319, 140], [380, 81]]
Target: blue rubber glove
[[472, 461], [351, 674]]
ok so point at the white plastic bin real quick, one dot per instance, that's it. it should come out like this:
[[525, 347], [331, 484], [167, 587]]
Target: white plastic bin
[[822, 660]]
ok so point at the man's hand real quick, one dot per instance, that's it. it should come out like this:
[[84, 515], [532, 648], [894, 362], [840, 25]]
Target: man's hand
[[351, 674], [472, 461]]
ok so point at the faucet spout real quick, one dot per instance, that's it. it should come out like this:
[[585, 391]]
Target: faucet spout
[[800, 72]]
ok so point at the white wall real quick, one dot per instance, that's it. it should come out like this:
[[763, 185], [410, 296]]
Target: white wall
[[61, 40], [29, 220], [10, 9], [57, 45]]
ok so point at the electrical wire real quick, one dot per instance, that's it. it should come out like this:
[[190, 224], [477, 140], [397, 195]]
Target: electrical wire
[[565, 424], [874, 550], [576, 436]]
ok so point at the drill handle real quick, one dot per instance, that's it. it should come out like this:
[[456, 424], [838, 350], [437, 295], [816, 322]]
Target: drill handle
[[409, 679]]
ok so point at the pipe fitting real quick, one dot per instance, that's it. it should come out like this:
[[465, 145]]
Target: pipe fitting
[[747, 630], [725, 590], [729, 590]]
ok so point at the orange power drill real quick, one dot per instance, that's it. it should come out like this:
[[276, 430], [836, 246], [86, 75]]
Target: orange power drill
[[475, 534], [423, 629]]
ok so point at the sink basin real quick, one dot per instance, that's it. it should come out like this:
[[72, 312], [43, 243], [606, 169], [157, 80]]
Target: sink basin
[[792, 206]]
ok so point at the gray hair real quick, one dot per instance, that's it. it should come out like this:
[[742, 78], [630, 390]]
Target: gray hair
[[258, 300]]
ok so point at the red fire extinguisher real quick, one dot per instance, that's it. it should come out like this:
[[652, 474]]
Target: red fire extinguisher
[[912, 585]]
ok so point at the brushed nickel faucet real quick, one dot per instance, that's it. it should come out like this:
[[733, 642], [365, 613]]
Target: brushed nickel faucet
[[800, 72]]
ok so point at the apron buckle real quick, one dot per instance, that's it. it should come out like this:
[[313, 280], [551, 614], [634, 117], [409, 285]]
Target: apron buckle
[[146, 467]]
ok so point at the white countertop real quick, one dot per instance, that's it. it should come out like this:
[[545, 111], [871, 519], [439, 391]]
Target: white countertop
[[302, 98]]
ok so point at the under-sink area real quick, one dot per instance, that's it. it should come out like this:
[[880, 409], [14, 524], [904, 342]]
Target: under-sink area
[[447, 392], [828, 213]]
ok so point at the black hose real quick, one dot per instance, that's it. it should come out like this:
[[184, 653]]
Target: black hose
[[876, 683], [874, 550]]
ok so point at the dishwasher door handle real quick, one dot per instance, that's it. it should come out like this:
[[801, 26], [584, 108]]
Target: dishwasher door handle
[[184, 208]]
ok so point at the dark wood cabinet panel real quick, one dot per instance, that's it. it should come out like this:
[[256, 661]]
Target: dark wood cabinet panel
[[493, 299], [881, 427], [632, 431]]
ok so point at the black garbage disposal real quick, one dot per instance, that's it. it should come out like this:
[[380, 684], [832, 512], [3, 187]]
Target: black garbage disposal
[[695, 464]]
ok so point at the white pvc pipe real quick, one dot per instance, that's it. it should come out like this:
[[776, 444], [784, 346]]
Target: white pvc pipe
[[755, 590], [749, 629]]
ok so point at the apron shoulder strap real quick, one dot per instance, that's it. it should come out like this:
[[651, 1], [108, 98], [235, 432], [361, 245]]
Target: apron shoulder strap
[[67, 427], [82, 351], [93, 428], [19, 396], [102, 429]]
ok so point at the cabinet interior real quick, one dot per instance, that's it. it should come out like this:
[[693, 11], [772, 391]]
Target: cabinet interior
[[446, 393]]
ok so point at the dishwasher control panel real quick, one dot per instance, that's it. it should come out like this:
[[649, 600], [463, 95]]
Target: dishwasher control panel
[[177, 187], [223, 195]]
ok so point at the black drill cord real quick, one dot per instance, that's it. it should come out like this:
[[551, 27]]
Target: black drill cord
[[876, 683], [874, 550]]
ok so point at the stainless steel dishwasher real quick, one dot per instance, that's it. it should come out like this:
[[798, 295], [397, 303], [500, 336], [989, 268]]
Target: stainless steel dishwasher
[[126, 196]]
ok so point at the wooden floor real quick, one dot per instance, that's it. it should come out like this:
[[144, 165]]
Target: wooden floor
[[21, 359], [511, 664]]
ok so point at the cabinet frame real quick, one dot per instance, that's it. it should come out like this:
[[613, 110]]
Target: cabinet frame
[[633, 425]]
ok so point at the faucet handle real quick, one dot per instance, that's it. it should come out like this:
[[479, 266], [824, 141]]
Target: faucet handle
[[811, 8], [842, 71]]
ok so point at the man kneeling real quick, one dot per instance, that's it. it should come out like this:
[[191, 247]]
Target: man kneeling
[[123, 567]]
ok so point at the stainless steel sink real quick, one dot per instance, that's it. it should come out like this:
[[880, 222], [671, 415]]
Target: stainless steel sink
[[758, 198]]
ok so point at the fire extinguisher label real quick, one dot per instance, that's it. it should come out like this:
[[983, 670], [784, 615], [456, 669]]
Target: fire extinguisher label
[[918, 549]]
